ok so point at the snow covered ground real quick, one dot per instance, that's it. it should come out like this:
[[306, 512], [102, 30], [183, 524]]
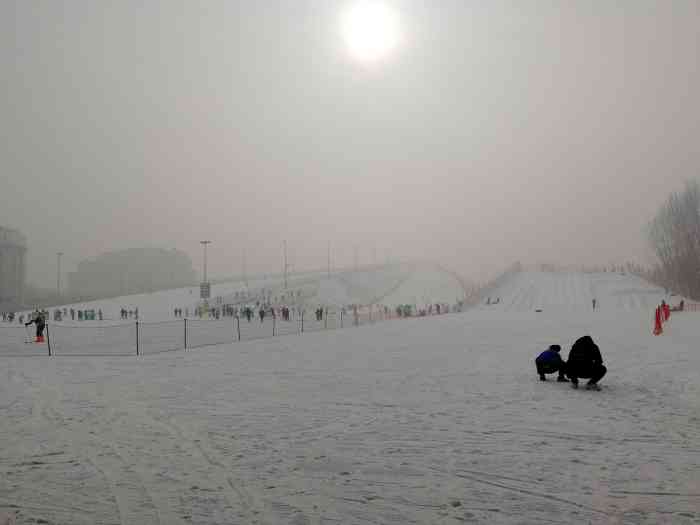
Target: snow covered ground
[[425, 420]]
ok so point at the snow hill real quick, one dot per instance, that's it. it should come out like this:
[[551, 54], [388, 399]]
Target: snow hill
[[413, 283], [573, 292]]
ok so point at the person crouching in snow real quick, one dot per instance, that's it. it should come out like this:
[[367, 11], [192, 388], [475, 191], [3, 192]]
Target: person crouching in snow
[[549, 362], [40, 323], [585, 361]]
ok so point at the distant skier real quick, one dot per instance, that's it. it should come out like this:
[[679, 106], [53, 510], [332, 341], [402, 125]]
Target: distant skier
[[585, 361], [261, 313], [594, 304], [549, 362], [40, 323]]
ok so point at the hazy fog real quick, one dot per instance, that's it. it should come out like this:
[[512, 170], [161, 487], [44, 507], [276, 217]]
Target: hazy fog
[[498, 130]]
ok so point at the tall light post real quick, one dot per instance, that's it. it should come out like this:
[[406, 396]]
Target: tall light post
[[204, 287], [58, 273], [204, 245], [245, 271], [286, 266]]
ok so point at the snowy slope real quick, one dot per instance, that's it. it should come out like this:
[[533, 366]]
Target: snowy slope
[[427, 420], [434, 420], [574, 292], [386, 284]]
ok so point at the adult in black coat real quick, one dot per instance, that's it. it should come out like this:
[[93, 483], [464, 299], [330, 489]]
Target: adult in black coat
[[585, 361]]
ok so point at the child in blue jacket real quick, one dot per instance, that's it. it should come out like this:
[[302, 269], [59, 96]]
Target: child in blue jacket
[[549, 362]]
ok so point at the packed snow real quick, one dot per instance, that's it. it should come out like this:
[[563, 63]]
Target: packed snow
[[429, 420]]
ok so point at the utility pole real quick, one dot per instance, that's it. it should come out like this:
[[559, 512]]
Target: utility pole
[[58, 273]]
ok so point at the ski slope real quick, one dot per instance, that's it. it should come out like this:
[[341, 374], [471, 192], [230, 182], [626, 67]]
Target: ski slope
[[385, 284], [574, 292], [437, 420]]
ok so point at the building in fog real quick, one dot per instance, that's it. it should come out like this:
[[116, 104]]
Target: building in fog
[[13, 269], [131, 271]]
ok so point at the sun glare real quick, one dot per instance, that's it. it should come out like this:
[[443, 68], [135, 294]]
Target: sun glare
[[370, 30]]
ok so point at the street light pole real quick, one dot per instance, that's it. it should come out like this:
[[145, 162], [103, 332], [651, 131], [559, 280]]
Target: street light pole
[[58, 273], [285, 264], [204, 244], [245, 270]]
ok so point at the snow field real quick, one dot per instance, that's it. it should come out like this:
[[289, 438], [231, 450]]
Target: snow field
[[427, 420]]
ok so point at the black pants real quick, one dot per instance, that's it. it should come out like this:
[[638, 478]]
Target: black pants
[[550, 368], [593, 373]]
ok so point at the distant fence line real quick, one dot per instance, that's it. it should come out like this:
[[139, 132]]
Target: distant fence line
[[148, 338]]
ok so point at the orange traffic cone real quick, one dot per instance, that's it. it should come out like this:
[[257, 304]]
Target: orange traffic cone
[[658, 329]]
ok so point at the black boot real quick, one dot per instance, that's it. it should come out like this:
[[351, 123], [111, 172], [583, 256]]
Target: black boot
[[542, 377]]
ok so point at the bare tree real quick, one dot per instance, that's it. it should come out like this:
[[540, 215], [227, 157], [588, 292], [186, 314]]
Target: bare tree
[[674, 234]]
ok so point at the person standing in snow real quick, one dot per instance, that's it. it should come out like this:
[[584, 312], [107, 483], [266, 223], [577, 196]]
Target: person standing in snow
[[585, 361], [594, 303], [549, 362], [40, 323]]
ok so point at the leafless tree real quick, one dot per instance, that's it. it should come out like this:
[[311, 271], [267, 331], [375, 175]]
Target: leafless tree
[[674, 234]]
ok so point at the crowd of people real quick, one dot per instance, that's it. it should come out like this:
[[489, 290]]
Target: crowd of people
[[125, 313]]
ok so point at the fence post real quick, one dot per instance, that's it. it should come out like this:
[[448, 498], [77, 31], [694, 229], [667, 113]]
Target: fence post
[[185, 347], [137, 337], [48, 338], [325, 320], [274, 325], [302, 321], [238, 326], [342, 311]]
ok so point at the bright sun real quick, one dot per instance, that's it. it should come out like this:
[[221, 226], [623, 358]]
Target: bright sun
[[370, 30]]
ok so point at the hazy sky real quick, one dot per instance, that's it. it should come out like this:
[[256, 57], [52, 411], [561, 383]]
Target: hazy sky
[[539, 131]]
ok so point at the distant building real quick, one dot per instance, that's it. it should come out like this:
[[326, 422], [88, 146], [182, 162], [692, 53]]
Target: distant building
[[13, 269], [136, 270]]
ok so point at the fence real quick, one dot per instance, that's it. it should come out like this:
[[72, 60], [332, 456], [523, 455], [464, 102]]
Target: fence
[[148, 338]]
